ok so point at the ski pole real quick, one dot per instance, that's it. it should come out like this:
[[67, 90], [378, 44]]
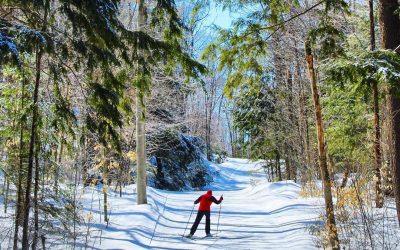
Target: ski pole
[[219, 214], [188, 220]]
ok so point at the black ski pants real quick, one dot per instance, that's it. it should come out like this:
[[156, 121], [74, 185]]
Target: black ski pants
[[199, 216]]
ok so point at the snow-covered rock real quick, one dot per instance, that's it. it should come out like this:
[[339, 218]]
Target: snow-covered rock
[[180, 161]]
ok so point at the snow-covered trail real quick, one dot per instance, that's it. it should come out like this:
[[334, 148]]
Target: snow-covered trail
[[255, 214]]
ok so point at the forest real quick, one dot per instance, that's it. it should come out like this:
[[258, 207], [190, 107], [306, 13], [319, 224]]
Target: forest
[[113, 107]]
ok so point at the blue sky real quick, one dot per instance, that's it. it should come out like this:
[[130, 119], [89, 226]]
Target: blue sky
[[220, 17]]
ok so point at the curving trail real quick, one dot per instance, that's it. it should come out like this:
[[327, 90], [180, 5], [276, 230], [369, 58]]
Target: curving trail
[[255, 214]]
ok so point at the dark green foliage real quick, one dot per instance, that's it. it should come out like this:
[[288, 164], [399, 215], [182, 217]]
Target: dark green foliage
[[242, 57], [92, 30], [350, 82], [104, 102], [256, 116], [349, 90], [329, 40], [164, 15], [272, 11], [64, 118], [85, 55], [328, 36], [337, 6], [253, 108], [99, 28], [93, 40], [362, 70], [347, 135]]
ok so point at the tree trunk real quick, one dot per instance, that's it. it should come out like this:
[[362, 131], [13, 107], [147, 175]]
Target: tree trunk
[[207, 123], [211, 106], [43, 242], [386, 168], [75, 194], [387, 187], [27, 205], [302, 117], [231, 140], [377, 141], [371, 24], [268, 173], [105, 187], [345, 178], [120, 189], [36, 200], [292, 123], [331, 167], [278, 166], [209, 151], [32, 142], [58, 163], [390, 39], [6, 191], [4, 183], [42, 180], [140, 125], [326, 180], [377, 150], [141, 153], [288, 168], [19, 202], [105, 201], [271, 167]]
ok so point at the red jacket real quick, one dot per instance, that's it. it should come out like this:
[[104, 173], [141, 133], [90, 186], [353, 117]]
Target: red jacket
[[206, 200]]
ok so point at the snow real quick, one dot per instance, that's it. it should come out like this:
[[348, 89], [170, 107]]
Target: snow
[[255, 214]]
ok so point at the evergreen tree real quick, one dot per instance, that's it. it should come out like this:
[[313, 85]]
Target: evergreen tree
[[390, 39]]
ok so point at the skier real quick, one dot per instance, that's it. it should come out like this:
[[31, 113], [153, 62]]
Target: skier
[[204, 209]]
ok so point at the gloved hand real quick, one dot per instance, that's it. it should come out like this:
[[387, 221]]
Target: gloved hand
[[221, 198]]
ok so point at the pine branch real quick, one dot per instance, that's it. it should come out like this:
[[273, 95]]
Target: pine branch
[[279, 25]]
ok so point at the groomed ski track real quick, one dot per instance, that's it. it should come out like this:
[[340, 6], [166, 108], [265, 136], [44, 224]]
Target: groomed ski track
[[255, 214]]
